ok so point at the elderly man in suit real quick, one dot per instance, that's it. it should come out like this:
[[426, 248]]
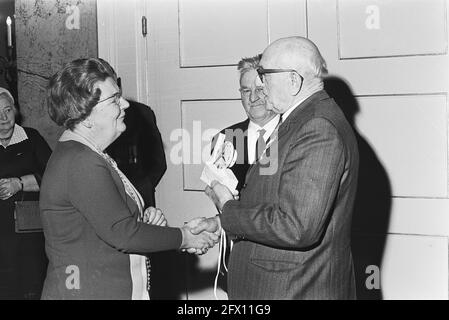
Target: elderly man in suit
[[250, 136], [293, 224]]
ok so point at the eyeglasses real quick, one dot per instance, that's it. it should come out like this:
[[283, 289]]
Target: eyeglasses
[[247, 91], [116, 96], [261, 72]]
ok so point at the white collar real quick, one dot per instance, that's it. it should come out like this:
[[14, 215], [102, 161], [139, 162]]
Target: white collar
[[253, 135], [289, 111], [18, 136], [268, 127]]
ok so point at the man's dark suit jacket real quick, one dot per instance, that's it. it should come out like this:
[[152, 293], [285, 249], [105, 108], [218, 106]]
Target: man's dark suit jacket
[[294, 225], [139, 151], [240, 143]]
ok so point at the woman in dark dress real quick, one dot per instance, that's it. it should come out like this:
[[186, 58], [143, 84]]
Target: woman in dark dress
[[23, 157], [97, 228]]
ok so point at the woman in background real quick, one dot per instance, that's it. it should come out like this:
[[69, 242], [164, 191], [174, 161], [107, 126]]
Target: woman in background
[[93, 217], [23, 157]]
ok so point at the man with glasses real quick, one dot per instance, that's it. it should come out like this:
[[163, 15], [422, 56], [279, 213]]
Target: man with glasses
[[294, 225], [246, 136]]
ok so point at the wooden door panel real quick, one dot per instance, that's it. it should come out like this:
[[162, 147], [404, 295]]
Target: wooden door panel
[[385, 28], [286, 18], [206, 27], [400, 267], [121, 43], [408, 134], [415, 267], [384, 75], [419, 216]]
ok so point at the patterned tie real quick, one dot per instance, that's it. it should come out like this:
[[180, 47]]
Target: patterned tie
[[260, 144]]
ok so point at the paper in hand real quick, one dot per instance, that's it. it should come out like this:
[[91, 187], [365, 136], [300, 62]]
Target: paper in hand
[[217, 167]]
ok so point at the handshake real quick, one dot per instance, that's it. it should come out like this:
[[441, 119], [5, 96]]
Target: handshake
[[198, 235]]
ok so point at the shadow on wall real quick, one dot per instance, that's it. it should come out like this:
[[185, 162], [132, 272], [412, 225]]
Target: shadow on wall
[[373, 201]]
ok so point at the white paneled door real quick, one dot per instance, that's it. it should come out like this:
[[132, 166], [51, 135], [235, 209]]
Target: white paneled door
[[194, 46], [388, 61]]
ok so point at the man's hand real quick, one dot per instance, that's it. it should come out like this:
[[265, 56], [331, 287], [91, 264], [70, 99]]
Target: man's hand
[[212, 225], [199, 225], [200, 242], [219, 194]]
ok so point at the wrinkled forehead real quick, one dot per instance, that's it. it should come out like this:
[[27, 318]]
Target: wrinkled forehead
[[248, 78], [276, 59], [5, 102]]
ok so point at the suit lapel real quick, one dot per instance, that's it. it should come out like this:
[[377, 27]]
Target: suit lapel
[[240, 168]]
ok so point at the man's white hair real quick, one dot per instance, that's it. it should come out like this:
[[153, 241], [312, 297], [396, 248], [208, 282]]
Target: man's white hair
[[247, 64]]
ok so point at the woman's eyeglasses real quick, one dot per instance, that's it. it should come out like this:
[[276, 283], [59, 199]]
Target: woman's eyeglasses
[[116, 98]]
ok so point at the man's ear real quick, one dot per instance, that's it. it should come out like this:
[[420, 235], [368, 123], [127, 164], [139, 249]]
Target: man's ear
[[296, 83]]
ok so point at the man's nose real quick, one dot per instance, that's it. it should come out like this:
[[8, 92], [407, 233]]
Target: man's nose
[[3, 116], [254, 96]]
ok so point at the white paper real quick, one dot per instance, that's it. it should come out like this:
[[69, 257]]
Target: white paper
[[212, 172]]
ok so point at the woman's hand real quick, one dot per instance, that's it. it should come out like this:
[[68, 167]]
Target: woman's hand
[[9, 187], [154, 216]]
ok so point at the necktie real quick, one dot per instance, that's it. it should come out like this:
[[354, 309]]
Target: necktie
[[260, 144]]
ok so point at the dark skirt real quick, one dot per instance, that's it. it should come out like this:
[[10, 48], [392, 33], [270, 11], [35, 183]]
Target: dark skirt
[[23, 261]]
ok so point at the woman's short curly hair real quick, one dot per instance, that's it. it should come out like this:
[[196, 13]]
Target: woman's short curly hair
[[71, 92]]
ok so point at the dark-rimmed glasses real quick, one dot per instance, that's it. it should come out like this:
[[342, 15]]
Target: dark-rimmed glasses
[[261, 72]]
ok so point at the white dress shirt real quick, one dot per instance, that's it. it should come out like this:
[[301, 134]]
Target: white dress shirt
[[253, 134], [285, 115]]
